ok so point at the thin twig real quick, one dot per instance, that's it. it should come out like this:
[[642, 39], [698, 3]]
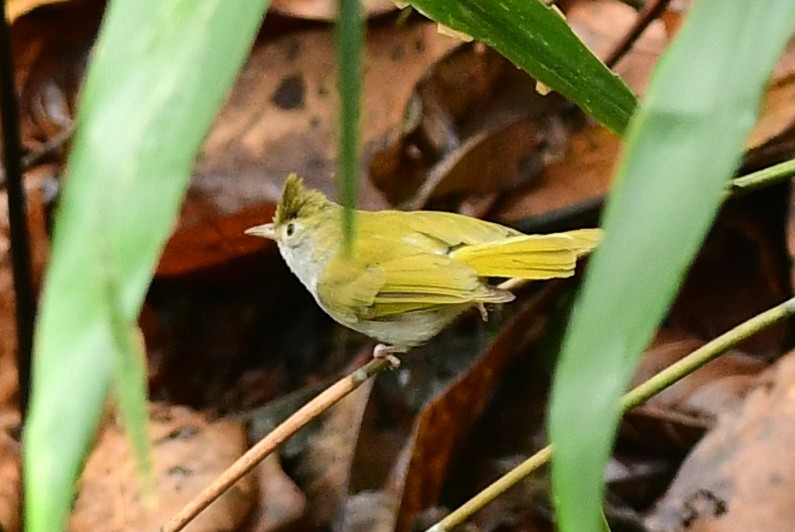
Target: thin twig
[[760, 179], [738, 186], [630, 400], [271, 442], [707, 352], [646, 17], [50, 147], [17, 217]]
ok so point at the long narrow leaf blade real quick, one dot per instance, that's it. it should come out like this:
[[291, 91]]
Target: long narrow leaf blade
[[157, 78], [350, 46], [682, 148], [538, 40]]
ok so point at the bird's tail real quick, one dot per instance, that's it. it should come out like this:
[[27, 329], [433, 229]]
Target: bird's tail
[[530, 256]]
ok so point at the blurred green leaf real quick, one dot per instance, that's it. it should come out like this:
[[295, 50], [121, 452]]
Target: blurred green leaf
[[683, 146], [538, 40], [350, 44], [156, 80]]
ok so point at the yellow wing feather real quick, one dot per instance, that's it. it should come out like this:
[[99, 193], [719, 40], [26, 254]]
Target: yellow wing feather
[[443, 230], [345, 290], [434, 279], [417, 282]]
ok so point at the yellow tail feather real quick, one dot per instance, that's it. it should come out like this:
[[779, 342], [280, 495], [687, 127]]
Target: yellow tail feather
[[529, 256]]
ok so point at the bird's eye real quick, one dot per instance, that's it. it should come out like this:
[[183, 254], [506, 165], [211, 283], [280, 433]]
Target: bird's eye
[[290, 229]]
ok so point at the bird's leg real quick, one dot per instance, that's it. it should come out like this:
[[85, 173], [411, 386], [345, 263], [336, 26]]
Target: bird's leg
[[484, 314], [387, 352]]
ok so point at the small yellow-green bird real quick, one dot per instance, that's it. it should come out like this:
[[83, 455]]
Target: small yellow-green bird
[[409, 273]]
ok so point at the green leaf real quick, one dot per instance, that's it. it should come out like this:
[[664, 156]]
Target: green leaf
[[350, 43], [683, 146], [538, 40], [157, 78]]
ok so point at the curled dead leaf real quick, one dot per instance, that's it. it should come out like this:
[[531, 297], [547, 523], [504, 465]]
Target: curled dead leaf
[[189, 452], [741, 476]]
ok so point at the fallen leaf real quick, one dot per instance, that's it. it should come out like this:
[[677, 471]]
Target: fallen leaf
[[741, 476], [473, 125], [741, 270], [282, 505], [10, 486], [189, 452], [446, 421], [326, 9], [325, 469], [601, 24], [677, 417], [578, 178], [17, 8], [706, 392]]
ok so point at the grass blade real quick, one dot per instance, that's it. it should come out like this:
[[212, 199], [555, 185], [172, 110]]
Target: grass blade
[[350, 43], [158, 75], [683, 146]]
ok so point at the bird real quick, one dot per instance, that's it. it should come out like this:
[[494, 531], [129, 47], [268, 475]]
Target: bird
[[408, 274]]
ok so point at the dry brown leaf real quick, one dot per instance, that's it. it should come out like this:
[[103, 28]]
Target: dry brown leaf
[[706, 392], [602, 23], [370, 511], [741, 270], [676, 418], [326, 9], [741, 476], [777, 115], [17, 8], [474, 126], [580, 176], [189, 452], [773, 136], [51, 49], [10, 486], [39, 249], [282, 506], [326, 468], [518, 145], [445, 422]]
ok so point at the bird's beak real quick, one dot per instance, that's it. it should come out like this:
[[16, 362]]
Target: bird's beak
[[264, 231]]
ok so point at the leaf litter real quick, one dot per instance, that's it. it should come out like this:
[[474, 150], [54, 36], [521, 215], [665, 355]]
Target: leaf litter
[[446, 125]]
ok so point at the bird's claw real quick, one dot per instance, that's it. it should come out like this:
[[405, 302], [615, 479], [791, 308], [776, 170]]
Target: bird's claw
[[387, 352], [484, 314]]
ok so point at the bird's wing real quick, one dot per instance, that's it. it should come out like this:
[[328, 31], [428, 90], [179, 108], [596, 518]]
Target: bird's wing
[[410, 283], [428, 280], [346, 290], [401, 265], [443, 230]]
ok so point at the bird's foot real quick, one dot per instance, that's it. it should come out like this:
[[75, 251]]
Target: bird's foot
[[387, 352], [484, 314]]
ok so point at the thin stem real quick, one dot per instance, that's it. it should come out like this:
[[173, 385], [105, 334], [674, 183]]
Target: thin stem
[[349, 36], [583, 211], [500, 486], [633, 398], [17, 217], [645, 18], [707, 352], [762, 178], [271, 442]]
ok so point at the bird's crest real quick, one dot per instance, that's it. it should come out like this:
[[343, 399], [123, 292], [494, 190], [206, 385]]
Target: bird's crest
[[297, 201]]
